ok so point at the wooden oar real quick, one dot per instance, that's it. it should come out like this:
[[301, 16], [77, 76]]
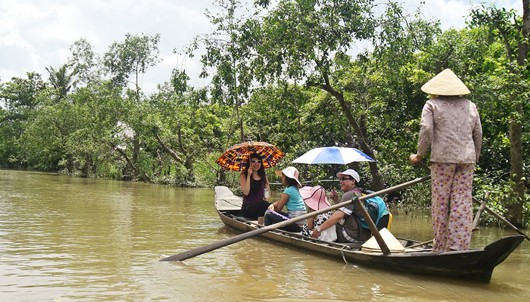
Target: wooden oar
[[503, 219], [480, 210], [421, 243], [213, 246], [428, 241]]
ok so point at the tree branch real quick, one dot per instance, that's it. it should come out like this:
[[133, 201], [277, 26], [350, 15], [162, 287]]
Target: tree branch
[[170, 151]]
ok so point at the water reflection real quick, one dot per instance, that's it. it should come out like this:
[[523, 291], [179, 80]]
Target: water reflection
[[66, 239]]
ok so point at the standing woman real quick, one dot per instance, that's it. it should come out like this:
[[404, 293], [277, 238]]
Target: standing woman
[[450, 126], [254, 184]]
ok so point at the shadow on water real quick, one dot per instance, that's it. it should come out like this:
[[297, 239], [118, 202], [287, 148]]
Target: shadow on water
[[67, 239]]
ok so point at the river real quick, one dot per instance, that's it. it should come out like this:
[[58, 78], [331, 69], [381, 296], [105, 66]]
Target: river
[[73, 239]]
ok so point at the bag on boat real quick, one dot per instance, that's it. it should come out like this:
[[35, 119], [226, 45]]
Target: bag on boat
[[376, 208]]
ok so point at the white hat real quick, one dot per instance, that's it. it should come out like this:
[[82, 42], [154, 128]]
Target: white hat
[[350, 172], [290, 172], [445, 83]]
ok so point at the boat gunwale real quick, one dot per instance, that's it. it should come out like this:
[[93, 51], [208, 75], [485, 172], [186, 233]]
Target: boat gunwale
[[473, 264]]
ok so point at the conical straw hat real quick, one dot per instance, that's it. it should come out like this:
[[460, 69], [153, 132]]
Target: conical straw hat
[[392, 243], [445, 83]]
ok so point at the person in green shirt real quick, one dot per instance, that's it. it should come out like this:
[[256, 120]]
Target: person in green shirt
[[290, 199]]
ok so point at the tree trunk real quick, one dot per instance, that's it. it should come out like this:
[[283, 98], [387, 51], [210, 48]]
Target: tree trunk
[[362, 140], [136, 151], [221, 177], [188, 163], [131, 164], [85, 172], [170, 151], [517, 200], [69, 164]]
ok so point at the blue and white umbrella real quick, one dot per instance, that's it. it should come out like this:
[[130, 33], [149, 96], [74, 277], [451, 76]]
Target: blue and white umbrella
[[332, 155]]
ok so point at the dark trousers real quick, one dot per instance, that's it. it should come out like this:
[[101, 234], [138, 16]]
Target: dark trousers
[[272, 217]]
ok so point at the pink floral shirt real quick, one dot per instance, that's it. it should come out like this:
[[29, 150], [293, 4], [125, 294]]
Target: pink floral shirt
[[451, 127]]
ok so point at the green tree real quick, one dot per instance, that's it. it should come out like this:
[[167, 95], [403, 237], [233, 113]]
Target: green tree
[[224, 52], [20, 95], [84, 62], [184, 126], [309, 41], [296, 119], [61, 79], [514, 33], [98, 109], [131, 58], [20, 98], [44, 141]]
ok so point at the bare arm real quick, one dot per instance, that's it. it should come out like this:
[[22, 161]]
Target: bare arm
[[244, 181], [278, 205], [267, 187]]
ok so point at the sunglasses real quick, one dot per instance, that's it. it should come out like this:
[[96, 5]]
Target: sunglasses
[[255, 161], [345, 178]]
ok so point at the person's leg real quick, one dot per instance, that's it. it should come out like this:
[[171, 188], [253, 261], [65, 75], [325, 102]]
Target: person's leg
[[442, 181], [249, 212], [295, 228], [261, 209], [461, 213], [272, 217]]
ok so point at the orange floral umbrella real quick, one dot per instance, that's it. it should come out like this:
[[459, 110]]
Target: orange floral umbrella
[[235, 157]]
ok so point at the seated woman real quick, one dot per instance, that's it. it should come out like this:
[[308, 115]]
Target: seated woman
[[291, 199], [315, 199], [254, 182]]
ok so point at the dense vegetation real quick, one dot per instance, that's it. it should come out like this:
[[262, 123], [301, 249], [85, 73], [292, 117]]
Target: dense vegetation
[[293, 74]]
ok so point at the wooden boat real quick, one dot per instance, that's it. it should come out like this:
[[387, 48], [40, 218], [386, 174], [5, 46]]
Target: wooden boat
[[474, 265]]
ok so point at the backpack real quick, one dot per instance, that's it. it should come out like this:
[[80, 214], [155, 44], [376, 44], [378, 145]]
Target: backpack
[[376, 208]]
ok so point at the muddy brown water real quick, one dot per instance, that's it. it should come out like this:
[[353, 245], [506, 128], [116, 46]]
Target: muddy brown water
[[73, 239]]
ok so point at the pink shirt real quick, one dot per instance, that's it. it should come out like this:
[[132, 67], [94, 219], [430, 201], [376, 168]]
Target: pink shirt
[[451, 127]]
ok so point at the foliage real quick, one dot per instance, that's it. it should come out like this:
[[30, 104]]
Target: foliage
[[228, 57], [84, 62], [513, 32], [293, 73], [131, 57]]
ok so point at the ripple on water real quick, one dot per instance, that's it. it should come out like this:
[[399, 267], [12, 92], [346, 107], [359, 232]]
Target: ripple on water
[[70, 239]]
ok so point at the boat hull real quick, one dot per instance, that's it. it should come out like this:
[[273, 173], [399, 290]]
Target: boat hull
[[473, 265]]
